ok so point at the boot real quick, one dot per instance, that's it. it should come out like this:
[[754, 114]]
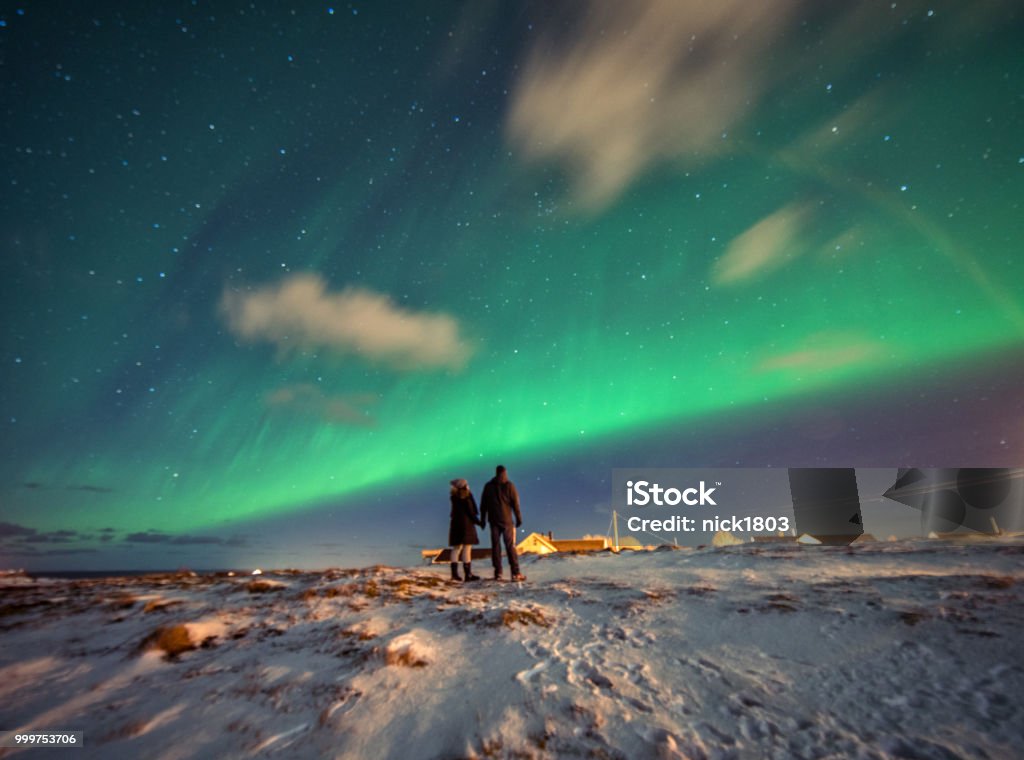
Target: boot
[[468, 567], [455, 571], [497, 574]]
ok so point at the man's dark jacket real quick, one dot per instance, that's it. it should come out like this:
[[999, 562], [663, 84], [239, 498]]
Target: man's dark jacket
[[499, 502]]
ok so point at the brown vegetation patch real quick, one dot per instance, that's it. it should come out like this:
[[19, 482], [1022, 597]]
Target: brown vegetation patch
[[334, 574], [541, 739], [912, 618], [957, 615], [415, 585], [998, 581], [122, 601], [172, 640], [343, 590], [780, 607], [492, 748], [387, 589], [658, 595], [360, 634], [263, 587], [405, 658], [461, 618], [525, 616], [125, 731], [161, 605], [20, 608], [589, 718], [332, 592], [701, 590]]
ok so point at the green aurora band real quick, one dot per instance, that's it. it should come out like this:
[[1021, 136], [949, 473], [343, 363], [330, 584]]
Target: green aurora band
[[884, 249]]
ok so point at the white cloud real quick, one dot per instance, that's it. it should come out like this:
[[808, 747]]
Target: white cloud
[[305, 398], [639, 81], [622, 85], [300, 313], [764, 247], [825, 351]]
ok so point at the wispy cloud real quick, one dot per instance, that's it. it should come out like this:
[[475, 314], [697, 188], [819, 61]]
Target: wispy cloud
[[639, 81], [825, 351], [306, 398], [765, 246], [21, 541], [622, 85], [158, 537], [86, 487], [54, 537], [300, 313], [13, 530], [29, 551]]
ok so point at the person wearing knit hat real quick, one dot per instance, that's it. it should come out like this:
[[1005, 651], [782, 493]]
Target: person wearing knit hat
[[462, 529]]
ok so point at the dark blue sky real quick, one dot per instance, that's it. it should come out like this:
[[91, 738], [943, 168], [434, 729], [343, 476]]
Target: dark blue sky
[[273, 275]]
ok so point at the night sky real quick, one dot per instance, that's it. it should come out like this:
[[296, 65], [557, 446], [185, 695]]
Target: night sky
[[274, 274]]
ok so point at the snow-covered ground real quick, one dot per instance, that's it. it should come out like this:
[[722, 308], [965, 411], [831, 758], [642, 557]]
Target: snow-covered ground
[[904, 650]]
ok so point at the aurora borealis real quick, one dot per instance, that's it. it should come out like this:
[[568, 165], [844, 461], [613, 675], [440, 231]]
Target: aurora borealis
[[276, 273]]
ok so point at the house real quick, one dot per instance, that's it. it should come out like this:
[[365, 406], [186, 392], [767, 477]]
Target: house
[[582, 544], [535, 543], [538, 543]]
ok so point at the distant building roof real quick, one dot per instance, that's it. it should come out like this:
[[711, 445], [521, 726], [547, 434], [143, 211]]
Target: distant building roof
[[725, 538], [580, 544], [538, 543], [535, 543]]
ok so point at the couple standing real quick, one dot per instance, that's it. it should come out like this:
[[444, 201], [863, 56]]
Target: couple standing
[[499, 504]]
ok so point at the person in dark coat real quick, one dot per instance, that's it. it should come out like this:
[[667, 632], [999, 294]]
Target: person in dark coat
[[499, 503], [462, 529]]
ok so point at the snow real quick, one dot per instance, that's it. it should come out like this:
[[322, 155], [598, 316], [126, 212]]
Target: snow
[[895, 649]]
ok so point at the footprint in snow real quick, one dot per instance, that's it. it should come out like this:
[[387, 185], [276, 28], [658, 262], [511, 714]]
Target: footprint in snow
[[530, 674], [600, 680]]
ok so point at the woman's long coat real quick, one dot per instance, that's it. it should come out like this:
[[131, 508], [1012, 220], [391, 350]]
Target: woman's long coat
[[465, 518]]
